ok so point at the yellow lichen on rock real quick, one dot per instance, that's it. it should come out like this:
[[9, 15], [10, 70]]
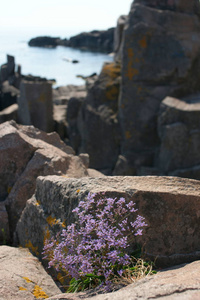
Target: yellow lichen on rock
[[112, 92], [131, 71], [51, 221], [38, 293], [27, 279], [21, 288], [143, 42], [112, 70]]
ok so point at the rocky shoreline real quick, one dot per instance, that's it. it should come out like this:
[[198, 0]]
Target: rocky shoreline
[[133, 131]]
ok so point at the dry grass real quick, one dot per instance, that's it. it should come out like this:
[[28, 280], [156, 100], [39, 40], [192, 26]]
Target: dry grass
[[140, 270]]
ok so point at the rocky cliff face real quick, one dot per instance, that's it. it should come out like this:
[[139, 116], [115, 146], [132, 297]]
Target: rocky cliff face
[[160, 57]]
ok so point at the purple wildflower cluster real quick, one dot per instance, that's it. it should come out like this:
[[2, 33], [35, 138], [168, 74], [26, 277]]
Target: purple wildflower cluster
[[96, 243]]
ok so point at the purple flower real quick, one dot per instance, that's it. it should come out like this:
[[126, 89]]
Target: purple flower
[[98, 241]]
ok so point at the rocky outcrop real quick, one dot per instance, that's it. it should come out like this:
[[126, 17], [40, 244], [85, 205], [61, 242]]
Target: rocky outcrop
[[178, 283], [65, 99], [8, 95], [10, 72], [170, 206], [35, 105], [97, 122], [182, 6], [23, 277], [179, 132], [118, 36], [155, 57], [62, 94], [44, 41], [160, 58], [96, 40], [26, 153]]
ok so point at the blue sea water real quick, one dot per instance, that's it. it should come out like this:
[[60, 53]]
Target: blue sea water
[[47, 62]]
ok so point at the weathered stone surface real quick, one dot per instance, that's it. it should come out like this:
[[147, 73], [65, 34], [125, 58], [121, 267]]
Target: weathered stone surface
[[60, 122], [8, 95], [178, 283], [62, 94], [73, 111], [8, 69], [174, 5], [35, 105], [170, 205], [26, 153], [10, 72], [123, 167], [160, 57], [98, 123], [9, 113], [4, 224], [118, 36], [23, 277], [179, 132]]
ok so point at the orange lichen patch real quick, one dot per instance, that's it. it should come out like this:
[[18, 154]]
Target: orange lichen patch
[[78, 191], [128, 134], [51, 221], [131, 71], [136, 60], [143, 42], [38, 293], [27, 279], [130, 53], [112, 70], [38, 203], [33, 249], [63, 224], [65, 176], [112, 93], [21, 288]]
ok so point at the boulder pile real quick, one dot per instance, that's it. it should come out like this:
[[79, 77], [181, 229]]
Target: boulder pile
[[26, 153]]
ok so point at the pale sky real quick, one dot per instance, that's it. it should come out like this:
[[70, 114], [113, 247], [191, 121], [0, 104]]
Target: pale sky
[[70, 15]]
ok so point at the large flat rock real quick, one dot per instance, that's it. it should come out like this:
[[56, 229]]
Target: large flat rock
[[23, 277], [170, 205]]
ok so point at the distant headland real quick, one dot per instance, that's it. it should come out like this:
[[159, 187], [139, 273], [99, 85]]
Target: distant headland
[[96, 40]]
